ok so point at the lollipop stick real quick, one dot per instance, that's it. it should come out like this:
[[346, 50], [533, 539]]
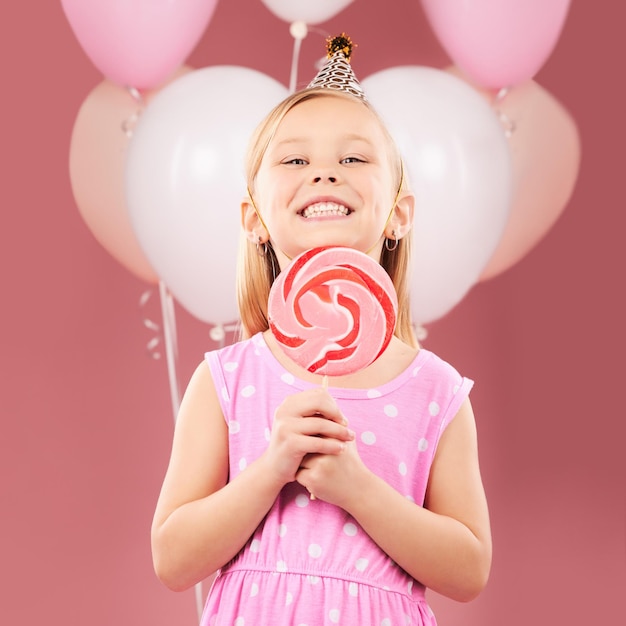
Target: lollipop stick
[[324, 386]]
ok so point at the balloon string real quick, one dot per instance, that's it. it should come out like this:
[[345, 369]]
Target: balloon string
[[154, 342], [507, 123], [171, 347], [128, 125], [295, 58]]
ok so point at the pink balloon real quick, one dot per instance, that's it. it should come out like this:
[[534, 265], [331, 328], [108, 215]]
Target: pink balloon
[[545, 150], [138, 43], [98, 147], [498, 43]]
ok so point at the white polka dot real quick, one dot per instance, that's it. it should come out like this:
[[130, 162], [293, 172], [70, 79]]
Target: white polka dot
[[268, 433], [231, 366], [350, 529], [302, 500], [385, 622], [288, 378], [433, 408], [240, 621], [234, 427], [281, 566], [402, 468], [225, 394], [248, 390], [333, 616], [315, 551], [313, 580], [243, 463], [416, 371], [289, 598], [361, 564], [254, 590], [422, 445], [368, 438], [409, 587], [456, 388], [391, 410], [373, 393], [410, 498], [255, 546], [282, 530], [353, 590]]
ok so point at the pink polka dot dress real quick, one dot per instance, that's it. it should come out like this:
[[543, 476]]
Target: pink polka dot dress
[[309, 563]]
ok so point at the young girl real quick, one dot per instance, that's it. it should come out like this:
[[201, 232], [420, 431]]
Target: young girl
[[323, 506]]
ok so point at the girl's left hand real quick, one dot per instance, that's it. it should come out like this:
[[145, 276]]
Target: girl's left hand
[[333, 477]]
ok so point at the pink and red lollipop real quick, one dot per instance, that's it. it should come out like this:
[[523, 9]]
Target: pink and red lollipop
[[333, 310]]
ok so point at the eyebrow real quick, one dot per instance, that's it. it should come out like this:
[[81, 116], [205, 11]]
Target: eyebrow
[[350, 137]]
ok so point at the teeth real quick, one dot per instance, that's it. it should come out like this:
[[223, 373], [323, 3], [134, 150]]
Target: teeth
[[325, 208]]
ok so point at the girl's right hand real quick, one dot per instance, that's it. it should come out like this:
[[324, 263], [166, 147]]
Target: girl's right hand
[[309, 422]]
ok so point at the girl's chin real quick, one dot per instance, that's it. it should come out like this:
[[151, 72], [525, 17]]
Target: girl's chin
[[371, 248]]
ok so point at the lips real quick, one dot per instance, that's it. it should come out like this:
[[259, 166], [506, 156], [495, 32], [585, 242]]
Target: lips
[[325, 209]]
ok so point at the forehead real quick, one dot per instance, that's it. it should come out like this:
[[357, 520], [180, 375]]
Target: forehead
[[330, 115]]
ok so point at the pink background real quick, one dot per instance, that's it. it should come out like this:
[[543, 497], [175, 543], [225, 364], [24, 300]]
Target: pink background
[[86, 417]]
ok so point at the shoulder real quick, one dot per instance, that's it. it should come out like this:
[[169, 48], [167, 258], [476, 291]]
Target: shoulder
[[441, 373], [234, 350]]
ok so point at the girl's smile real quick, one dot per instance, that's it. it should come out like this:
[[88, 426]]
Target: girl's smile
[[324, 208]]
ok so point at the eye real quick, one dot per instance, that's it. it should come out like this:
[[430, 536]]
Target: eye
[[294, 161], [351, 159]]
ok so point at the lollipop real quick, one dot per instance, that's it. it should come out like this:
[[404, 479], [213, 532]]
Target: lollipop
[[333, 310]]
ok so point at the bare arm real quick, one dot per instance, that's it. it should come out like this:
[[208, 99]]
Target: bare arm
[[202, 520], [446, 544]]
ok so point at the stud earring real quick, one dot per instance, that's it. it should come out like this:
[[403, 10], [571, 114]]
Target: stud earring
[[261, 247]]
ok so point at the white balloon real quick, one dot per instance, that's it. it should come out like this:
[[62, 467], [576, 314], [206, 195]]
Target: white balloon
[[309, 11], [458, 163], [185, 181]]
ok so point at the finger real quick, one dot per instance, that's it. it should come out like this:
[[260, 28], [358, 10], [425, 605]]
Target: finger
[[316, 445], [322, 427], [314, 403]]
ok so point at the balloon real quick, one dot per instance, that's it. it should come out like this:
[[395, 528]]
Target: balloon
[[97, 160], [498, 43], [310, 12], [138, 43], [457, 161], [545, 158], [184, 181]]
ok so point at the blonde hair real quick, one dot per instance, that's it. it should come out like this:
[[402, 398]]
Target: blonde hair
[[256, 272]]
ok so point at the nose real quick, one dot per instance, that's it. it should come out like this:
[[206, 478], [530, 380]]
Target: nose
[[329, 178], [324, 173]]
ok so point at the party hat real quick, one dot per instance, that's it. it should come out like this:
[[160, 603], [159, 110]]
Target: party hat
[[337, 73]]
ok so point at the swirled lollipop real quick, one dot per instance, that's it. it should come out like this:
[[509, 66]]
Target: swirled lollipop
[[333, 310]]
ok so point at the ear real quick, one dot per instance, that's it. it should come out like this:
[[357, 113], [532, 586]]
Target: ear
[[402, 217], [251, 223]]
